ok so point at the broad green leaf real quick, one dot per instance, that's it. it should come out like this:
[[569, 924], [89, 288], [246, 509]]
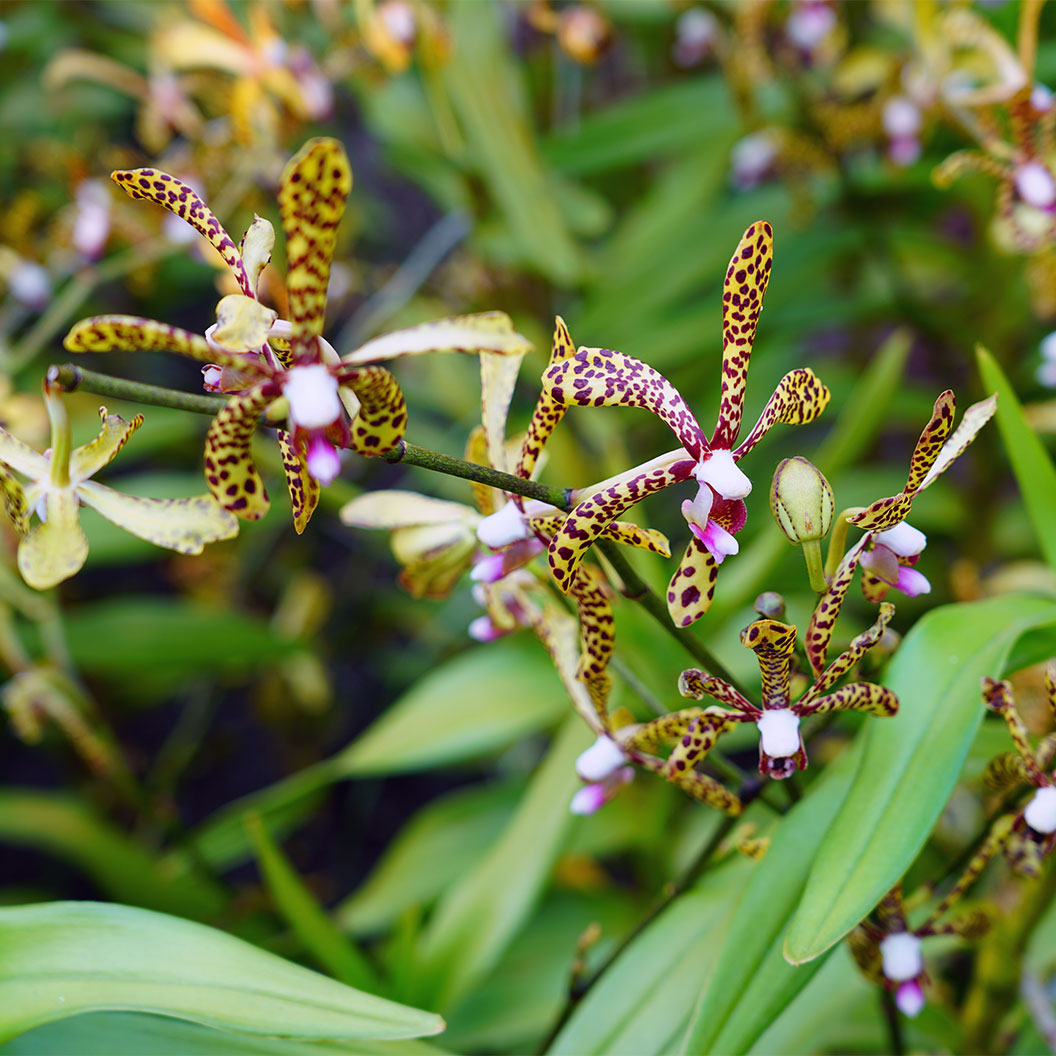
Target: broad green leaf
[[121, 868], [641, 1004], [910, 763], [476, 919], [62, 958], [309, 920], [1031, 463], [482, 700], [752, 982], [135, 1034]]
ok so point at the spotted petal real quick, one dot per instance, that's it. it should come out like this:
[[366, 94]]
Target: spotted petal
[[21, 457], [315, 185], [742, 301], [773, 643], [487, 499], [619, 531], [700, 737], [483, 332], [548, 412], [845, 661], [382, 418], [798, 399], [86, 461], [54, 549], [586, 522], [974, 419], [14, 498], [698, 684], [185, 525], [599, 377], [133, 333], [229, 470], [498, 376], [823, 621], [855, 696], [179, 198], [303, 487], [597, 624], [692, 587], [560, 634]]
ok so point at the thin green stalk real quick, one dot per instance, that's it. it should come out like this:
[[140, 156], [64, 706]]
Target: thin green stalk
[[70, 377], [812, 555], [838, 540]]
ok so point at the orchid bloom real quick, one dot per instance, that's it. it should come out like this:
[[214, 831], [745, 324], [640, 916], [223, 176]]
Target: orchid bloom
[[1032, 835], [890, 953], [55, 547], [596, 377], [781, 750], [260, 358]]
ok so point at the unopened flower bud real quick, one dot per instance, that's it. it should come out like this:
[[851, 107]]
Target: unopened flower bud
[[801, 500], [770, 605]]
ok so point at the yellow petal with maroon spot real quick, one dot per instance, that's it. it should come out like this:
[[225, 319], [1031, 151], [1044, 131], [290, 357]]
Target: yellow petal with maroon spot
[[931, 440], [706, 789], [974, 419], [483, 332], [54, 549], [619, 531], [15, 505], [548, 412], [823, 621], [692, 587], [229, 469], [699, 684], [597, 624], [486, 499], [859, 646], [699, 739], [855, 696], [742, 301], [773, 643], [314, 187], [133, 333], [599, 377], [382, 418], [178, 198], [185, 525], [587, 521], [86, 461], [303, 487], [798, 399], [884, 513]]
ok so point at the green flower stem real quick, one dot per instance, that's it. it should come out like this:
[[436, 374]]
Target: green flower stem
[[70, 377], [838, 541], [812, 555]]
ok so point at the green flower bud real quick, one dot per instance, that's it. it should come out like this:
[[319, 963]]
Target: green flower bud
[[770, 605], [801, 500]]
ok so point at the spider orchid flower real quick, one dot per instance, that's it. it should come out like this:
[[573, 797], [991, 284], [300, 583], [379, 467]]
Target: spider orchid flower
[[595, 377], [54, 547], [1032, 834], [259, 358], [781, 750], [891, 954]]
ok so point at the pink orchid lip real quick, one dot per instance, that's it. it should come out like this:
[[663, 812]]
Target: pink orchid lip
[[911, 582], [718, 542], [482, 629], [324, 463], [909, 997]]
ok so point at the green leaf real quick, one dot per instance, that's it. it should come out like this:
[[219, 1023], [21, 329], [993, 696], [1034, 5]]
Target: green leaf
[[308, 919], [475, 920], [910, 763], [63, 958], [1030, 462], [752, 982]]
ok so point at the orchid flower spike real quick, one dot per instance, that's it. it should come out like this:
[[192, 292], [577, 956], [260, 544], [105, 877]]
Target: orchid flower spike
[[54, 547], [1032, 834], [258, 358], [595, 377], [781, 750]]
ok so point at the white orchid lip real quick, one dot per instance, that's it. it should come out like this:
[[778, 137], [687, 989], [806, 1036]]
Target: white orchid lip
[[313, 397], [1035, 185], [900, 117], [510, 524], [720, 471], [902, 957], [779, 733], [698, 509], [1040, 814], [601, 760], [903, 539]]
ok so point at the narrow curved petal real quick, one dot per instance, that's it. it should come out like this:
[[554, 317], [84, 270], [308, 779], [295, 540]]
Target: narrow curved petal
[[859, 646], [14, 497], [86, 461], [706, 789], [382, 418], [133, 333], [229, 470], [855, 696], [823, 621], [698, 684], [997, 695], [178, 198], [596, 622], [255, 248], [700, 737], [692, 587], [586, 522], [434, 574], [974, 419], [488, 500], [315, 184], [742, 301], [619, 531], [185, 525], [884, 513], [599, 377], [498, 376], [798, 399], [483, 332], [548, 412], [303, 487], [402, 509], [21, 457], [931, 440], [55, 549], [560, 634], [667, 728], [773, 643]]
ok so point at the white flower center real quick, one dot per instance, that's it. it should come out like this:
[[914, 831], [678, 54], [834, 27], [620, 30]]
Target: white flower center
[[721, 472], [600, 761], [1040, 814], [779, 732], [901, 117], [509, 525], [901, 955], [312, 392], [1041, 97], [903, 539], [1035, 185]]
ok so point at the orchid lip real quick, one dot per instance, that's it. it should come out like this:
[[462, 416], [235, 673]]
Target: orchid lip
[[903, 540], [721, 471], [1040, 812], [901, 956], [312, 395], [779, 732]]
